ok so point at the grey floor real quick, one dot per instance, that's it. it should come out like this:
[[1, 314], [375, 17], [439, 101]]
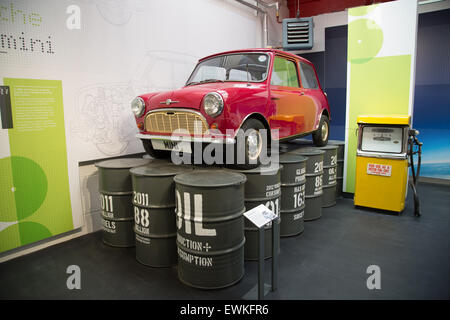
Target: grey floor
[[328, 261]]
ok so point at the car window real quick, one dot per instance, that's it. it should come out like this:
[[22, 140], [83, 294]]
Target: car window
[[232, 67], [284, 73], [209, 72], [309, 80]]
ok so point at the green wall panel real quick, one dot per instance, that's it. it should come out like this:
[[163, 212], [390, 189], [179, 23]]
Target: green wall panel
[[34, 178]]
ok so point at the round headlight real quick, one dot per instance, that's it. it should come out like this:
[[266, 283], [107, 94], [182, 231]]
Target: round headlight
[[137, 106], [213, 104]]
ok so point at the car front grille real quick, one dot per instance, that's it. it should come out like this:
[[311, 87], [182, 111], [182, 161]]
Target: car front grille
[[169, 121]]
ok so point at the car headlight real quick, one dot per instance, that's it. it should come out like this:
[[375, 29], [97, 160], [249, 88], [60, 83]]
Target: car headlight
[[138, 106], [213, 104]]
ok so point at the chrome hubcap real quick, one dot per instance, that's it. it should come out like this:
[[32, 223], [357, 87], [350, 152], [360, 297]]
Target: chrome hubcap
[[254, 143], [324, 131]]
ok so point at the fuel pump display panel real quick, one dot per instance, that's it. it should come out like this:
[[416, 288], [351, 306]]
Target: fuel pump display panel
[[382, 139]]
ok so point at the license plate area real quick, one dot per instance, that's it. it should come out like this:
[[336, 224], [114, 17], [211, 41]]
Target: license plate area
[[168, 145]]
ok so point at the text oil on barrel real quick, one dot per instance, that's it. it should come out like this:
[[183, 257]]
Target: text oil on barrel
[[154, 213], [329, 175], [210, 224], [262, 187], [115, 195], [314, 177], [293, 180]]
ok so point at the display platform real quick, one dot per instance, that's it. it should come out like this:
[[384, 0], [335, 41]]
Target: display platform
[[192, 215]]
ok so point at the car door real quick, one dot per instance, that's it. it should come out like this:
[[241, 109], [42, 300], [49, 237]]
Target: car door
[[311, 100], [286, 95]]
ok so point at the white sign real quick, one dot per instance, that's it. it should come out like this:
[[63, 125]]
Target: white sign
[[379, 169], [260, 215]]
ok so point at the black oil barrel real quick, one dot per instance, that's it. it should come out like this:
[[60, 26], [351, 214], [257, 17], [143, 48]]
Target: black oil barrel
[[313, 187], [155, 160], [329, 175], [293, 180], [262, 187], [340, 164], [116, 194], [154, 213], [210, 223]]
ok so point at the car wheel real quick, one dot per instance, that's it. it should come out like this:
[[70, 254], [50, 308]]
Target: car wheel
[[320, 136], [253, 147], [159, 154]]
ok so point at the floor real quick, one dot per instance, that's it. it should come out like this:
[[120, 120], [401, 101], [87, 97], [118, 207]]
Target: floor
[[328, 261]]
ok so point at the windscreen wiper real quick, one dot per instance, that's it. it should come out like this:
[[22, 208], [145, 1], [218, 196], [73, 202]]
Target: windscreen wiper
[[211, 80], [204, 81]]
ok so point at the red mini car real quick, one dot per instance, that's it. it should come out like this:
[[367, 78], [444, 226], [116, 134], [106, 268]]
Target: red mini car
[[252, 90]]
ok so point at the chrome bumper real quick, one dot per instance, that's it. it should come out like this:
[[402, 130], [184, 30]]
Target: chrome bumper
[[224, 140]]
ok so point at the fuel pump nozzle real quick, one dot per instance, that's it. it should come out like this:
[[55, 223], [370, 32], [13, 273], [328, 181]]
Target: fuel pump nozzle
[[412, 142]]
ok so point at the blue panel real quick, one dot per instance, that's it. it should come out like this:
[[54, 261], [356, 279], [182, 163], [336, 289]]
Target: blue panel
[[336, 99], [433, 47], [335, 78], [432, 107], [336, 57], [432, 93]]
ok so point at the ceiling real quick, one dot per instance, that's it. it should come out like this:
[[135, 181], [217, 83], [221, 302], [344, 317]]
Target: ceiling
[[310, 8]]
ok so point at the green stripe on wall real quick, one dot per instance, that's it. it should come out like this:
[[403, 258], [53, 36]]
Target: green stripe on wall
[[377, 87]]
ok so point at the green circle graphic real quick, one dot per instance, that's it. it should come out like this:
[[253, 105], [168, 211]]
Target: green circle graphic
[[365, 39], [22, 233], [23, 186], [32, 231], [361, 11]]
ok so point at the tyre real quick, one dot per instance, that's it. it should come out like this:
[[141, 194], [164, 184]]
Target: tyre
[[320, 136], [253, 147], [158, 154]]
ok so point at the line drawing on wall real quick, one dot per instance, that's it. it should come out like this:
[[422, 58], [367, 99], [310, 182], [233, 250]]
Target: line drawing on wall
[[103, 115]]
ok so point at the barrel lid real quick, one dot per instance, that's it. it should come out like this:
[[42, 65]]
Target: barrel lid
[[329, 147], [291, 158], [336, 142], [303, 142], [265, 169], [308, 151], [122, 163], [210, 178], [159, 170]]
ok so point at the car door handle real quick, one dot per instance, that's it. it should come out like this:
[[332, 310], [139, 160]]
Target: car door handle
[[274, 98]]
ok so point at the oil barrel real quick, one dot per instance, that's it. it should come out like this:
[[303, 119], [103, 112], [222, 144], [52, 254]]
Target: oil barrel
[[262, 187], [329, 175], [210, 223], [154, 213], [116, 194], [155, 160], [340, 164], [314, 176], [293, 180]]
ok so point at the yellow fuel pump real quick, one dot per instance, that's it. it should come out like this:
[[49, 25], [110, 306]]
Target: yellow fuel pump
[[382, 162]]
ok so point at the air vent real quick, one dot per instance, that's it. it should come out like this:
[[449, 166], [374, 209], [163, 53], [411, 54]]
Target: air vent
[[298, 34]]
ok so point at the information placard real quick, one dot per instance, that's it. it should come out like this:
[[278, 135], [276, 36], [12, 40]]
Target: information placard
[[260, 215]]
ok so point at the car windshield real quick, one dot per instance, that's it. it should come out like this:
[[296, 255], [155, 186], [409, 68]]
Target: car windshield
[[248, 67]]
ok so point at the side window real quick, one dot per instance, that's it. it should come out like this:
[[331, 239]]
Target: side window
[[309, 80], [284, 73]]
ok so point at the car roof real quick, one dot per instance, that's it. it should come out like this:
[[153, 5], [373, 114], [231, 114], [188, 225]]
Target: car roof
[[265, 50]]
